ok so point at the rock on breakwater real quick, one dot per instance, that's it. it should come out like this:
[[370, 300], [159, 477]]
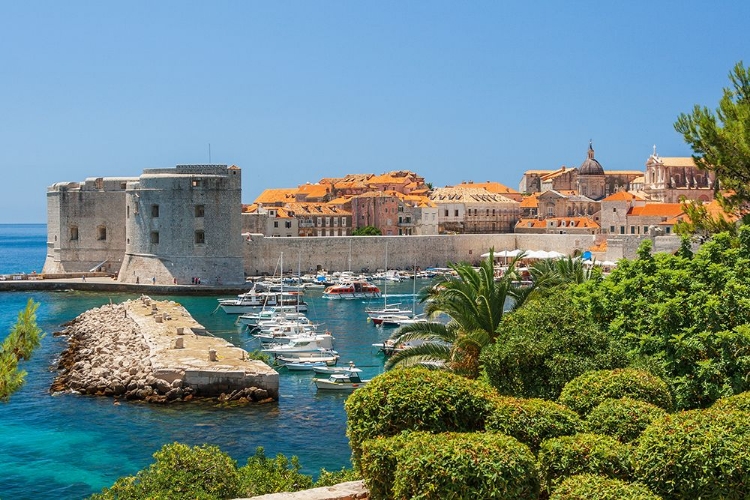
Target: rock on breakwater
[[155, 351]]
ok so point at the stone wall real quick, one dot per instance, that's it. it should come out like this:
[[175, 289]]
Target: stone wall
[[355, 253]]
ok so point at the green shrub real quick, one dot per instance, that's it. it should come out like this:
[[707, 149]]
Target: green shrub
[[421, 465], [566, 456], [584, 393], [330, 478], [380, 461], [416, 399], [181, 472], [593, 487], [531, 421], [696, 454], [624, 418], [262, 475], [739, 401], [544, 345]]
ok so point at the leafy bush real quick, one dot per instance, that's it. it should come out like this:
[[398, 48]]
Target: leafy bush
[[696, 454], [262, 475], [566, 456], [330, 478], [544, 345], [624, 418], [587, 391], [416, 399], [593, 487], [181, 472], [688, 315], [449, 465], [739, 401], [531, 421]]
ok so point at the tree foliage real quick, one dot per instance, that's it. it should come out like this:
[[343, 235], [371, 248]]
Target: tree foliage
[[475, 302], [685, 319], [699, 222], [18, 346], [721, 140], [542, 348], [367, 231]]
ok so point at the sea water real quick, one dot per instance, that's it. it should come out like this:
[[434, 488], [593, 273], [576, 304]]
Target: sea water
[[68, 446]]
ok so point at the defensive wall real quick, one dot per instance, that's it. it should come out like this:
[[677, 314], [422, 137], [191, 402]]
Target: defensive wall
[[355, 253]]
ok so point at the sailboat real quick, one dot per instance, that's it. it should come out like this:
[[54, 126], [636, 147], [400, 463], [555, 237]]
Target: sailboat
[[386, 316], [414, 318]]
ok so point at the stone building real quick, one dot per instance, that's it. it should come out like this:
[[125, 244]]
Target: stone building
[[670, 178], [168, 225], [85, 225], [558, 225], [379, 209], [468, 210]]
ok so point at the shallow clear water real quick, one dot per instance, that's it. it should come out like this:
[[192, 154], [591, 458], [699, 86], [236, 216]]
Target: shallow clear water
[[68, 446]]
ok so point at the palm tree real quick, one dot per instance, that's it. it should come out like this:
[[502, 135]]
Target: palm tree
[[474, 301], [553, 272]]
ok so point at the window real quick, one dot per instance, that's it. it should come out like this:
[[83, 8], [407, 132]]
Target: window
[[200, 237], [200, 210], [127, 212], [645, 229], [155, 211], [455, 213], [446, 213], [632, 229], [101, 233], [612, 229], [614, 210], [669, 229], [74, 233], [288, 224], [275, 223], [196, 183], [343, 222], [155, 237], [622, 229]]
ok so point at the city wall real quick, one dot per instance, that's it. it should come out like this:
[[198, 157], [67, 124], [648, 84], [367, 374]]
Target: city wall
[[355, 253]]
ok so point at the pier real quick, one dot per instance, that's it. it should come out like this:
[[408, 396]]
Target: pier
[[152, 350]]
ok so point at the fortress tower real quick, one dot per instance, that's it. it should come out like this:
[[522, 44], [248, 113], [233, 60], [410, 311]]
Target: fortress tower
[[183, 223], [85, 225]]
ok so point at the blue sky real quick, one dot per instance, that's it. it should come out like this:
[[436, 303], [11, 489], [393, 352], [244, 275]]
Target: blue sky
[[295, 91]]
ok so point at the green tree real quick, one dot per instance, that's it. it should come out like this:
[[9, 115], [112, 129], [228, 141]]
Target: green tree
[[23, 338], [262, 475], [367, 231], [721, 140], [474, 301], [699, 222]]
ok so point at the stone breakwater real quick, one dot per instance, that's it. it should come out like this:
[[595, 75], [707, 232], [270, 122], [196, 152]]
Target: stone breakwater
[[156, 352]]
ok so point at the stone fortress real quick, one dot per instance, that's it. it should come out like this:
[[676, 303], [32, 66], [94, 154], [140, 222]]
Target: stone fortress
[[166, 226]]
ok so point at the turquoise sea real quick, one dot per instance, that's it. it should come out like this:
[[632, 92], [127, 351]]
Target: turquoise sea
[[68, 446]]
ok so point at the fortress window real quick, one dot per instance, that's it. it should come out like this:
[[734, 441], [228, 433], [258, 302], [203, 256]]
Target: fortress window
[[101, 233], [196, 183], [155, 237], [200, 210], [154, 211], [74, 233], [200, 237]]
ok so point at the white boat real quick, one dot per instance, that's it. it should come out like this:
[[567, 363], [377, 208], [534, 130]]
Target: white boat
[[328, 370], [352, 290], [284, 334], [307, 365], [326, 356], [341, 381], [390, 318], [252, 319], [301, 344], [249, 302]]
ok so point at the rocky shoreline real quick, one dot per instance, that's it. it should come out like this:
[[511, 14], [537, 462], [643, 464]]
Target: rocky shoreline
[[109, 354]]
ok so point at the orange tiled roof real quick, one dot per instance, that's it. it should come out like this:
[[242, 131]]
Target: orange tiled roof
[[315, 209], [622, 196], [657, 210], [492, 187], [531, 201], [678, 161], [578, 222], [271, 196], [313, 190]]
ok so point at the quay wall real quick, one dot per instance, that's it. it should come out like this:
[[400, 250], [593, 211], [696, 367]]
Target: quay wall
[[355, 253]]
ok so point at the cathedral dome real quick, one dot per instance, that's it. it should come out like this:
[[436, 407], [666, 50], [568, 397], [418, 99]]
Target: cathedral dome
[[590, 166]]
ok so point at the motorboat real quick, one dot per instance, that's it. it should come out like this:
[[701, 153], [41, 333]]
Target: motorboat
[[347, 381], [300, 344], [252, 319], [249, 302], [328, 357], [328, 370], [352, 290]]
